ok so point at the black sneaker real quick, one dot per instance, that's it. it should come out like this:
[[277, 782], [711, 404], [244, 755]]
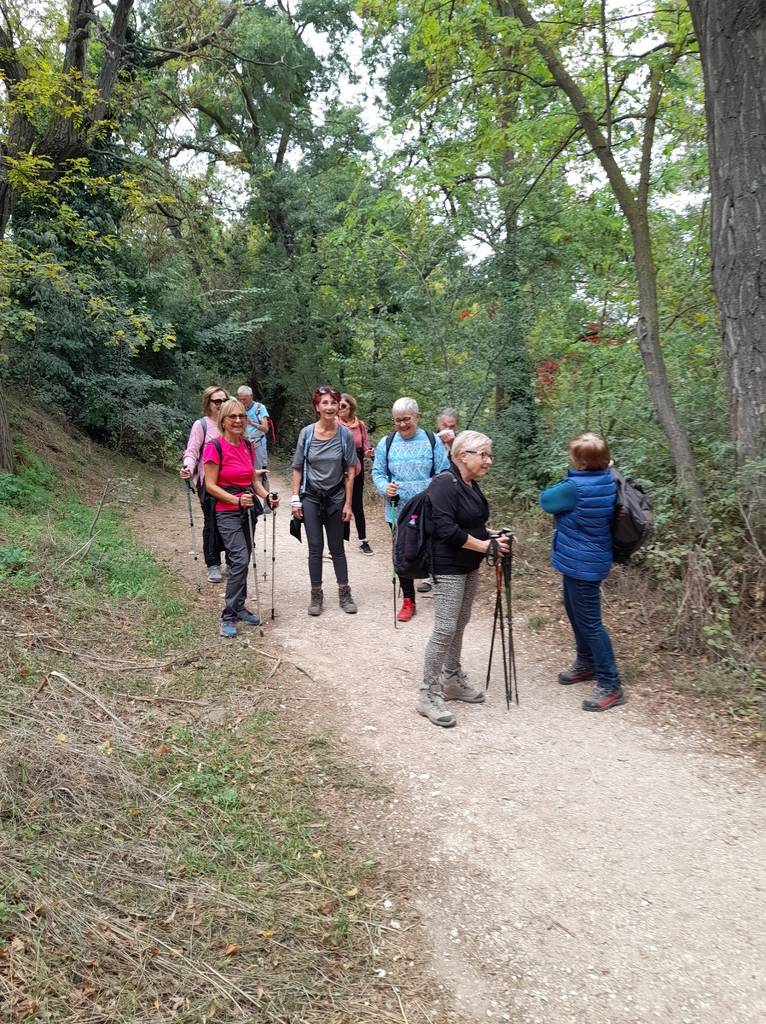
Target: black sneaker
[[365, 547], [602, 700], [576, 673]]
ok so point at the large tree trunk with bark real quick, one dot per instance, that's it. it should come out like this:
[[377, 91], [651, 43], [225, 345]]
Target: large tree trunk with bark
[[7, 459], [732, 41]]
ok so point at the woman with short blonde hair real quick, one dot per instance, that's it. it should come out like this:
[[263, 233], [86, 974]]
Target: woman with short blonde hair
[[460, 541], [232, 481]]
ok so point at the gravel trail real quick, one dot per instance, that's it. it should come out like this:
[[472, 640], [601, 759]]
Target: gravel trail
[[569, 867]]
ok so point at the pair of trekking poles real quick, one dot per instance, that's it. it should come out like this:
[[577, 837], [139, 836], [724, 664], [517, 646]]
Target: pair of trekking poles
[[251, 522]]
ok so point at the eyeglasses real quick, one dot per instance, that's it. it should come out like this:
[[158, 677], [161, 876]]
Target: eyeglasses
[[484, 456], [236, 416], [403, 421], [218, 401]]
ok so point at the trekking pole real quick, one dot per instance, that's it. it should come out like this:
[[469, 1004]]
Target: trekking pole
[[274, 497], [502, 577], [507, 576], [265, 535], [393, 502], [252, 521], [194, 554]]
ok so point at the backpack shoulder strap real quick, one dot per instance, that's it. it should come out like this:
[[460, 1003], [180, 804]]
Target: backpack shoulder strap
[[216, 443], [432, 438], [346, 437], [307, 438], [389, 441]]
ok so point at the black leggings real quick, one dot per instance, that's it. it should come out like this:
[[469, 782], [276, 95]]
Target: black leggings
[[357, 505], [315, 511], [212, 544]]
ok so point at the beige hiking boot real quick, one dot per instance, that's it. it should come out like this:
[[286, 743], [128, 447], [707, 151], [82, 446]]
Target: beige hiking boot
[[431, 705], [455, 686]]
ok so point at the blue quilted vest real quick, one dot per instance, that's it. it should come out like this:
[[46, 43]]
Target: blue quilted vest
[[582, 543]]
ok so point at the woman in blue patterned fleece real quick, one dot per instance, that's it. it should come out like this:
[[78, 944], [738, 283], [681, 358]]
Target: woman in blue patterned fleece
[[404, 463]]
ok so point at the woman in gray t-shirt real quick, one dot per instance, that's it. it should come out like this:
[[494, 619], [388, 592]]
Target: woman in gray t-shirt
[[323, 482]]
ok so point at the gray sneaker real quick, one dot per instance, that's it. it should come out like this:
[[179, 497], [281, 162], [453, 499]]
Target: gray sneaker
[[432, 707], [214, 574], [455, 686]]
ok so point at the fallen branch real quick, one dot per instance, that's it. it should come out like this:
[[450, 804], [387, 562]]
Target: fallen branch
[[90, 696], [85, 548]]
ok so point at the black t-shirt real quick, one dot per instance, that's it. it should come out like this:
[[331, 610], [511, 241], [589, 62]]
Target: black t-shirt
[[457, 510]]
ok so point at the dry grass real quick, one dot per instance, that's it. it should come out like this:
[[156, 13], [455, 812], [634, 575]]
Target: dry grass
[[171, 847]]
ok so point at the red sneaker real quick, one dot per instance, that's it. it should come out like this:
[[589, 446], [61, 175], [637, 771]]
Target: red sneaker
[[407, 610], [602, 700]]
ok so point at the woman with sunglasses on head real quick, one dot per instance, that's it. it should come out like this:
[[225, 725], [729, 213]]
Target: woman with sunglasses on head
[[347, 415], [459, 515], [232, 480], [322, 482], [205, 429]]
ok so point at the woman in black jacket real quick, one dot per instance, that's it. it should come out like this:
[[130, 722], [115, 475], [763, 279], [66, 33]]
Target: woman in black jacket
[[459, 514]]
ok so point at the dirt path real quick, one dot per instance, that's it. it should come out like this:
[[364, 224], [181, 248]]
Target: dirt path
[[569, 866]]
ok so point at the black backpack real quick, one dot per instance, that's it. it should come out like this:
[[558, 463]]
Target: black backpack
[[633, 520], [413, 537]]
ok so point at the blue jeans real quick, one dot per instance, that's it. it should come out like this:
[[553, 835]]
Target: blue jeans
[[582, 600]]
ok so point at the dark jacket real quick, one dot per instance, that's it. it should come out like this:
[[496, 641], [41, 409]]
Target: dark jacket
[[457, 509], [582, 543]]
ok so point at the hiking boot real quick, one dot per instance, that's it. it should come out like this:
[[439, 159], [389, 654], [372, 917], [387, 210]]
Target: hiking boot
[[424, 587], [228, 628], [365, 547], [407, 610], [455, 686], [247, 616], [602, 700], [214, 574], [317, 597], [576, 673], [431, 705], [346, 600]]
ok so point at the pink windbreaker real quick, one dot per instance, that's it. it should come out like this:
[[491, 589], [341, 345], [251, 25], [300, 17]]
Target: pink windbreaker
[[193, 454]]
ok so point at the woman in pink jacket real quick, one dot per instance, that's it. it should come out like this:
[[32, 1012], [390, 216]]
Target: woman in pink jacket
[[203, 430], [347, 416]]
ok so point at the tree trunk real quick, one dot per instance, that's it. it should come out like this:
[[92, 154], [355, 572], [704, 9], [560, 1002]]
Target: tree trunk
[[7, 458], [732, 41], [634, 208]]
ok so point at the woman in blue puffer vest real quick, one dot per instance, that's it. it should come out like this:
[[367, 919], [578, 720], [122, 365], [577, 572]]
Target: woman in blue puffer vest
[[583, 505]]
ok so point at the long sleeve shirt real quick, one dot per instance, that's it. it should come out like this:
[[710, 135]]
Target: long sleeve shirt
[[198, 436], [410, 463], [561, 497]]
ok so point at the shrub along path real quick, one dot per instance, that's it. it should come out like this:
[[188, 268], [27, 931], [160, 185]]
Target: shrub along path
[[568, 866]]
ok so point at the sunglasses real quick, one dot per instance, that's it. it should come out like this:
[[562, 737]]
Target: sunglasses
[[218, 401], [329, 391]]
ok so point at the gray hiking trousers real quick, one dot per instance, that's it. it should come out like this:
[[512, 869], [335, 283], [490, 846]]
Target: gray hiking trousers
[[453, 601], [234, 529]]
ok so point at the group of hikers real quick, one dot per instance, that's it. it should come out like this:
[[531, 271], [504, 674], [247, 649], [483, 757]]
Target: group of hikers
[[226, 460]]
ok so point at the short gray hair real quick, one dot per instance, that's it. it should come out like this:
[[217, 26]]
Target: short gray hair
[[245, 390], [449, 413], [405, 405], [469, 439]]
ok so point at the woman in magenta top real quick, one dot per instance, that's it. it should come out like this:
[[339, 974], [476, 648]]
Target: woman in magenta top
[[232, 480], [205, 429], [347, 415]]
